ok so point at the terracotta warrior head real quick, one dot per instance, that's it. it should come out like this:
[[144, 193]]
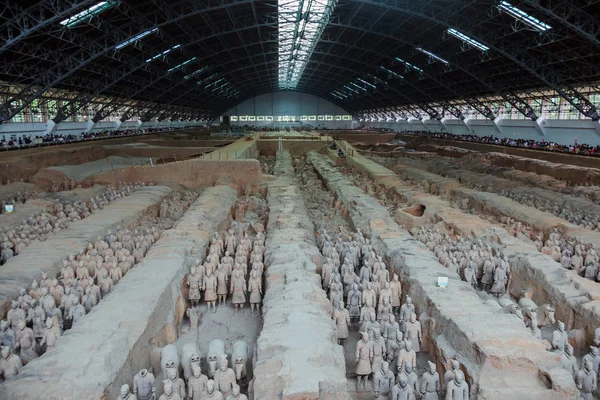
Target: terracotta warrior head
[[168, 387], [402, 381], [587, 365], [459, 377], [210, 386], [431, 367], [223, 363], [365, 337]]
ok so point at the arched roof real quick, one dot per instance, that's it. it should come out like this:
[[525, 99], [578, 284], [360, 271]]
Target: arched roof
[[208, 55]]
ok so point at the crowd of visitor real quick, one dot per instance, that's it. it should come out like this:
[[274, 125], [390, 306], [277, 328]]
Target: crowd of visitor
[[575, 148], [8, 143]]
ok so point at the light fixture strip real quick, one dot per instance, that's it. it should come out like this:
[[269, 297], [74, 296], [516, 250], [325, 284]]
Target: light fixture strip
[[164, 53], [409, 64], [208, 78], [352, 90], [214, 83], [467, 39], [430, 54], [392, 73], [88, 13], [524, 17], [135, 38], [182, 64], [300, 25], [221, 87], [358, 86], [367, 83], [196, 72]]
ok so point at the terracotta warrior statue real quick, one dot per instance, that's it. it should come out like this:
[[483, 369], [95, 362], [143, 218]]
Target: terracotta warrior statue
[[430, 383], [236, 395], [403, 391], [50, 335], [224, 377], [255, 289], [457, 389], [194, 281], [9, 363], [26, 342], [238, 293], [169, 392], [176, 382], [197, 384], [143, 385], [212, 393], [364, 359], [209, 285], [405, 311], [413, 332], [593, 356], [383, 380], [77, 311], [124, 394], [341, 318], [568, 361], [586, 381], [559, 338]]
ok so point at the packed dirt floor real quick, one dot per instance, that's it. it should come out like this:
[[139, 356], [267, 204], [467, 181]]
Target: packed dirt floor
[[306, 273]]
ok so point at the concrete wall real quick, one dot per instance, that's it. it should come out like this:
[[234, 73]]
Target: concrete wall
[[290, 103], [559, 131], [295, 147], [191, 173]]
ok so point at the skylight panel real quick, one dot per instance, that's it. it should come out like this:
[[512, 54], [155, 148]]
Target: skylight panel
[[430, 54], [409, 65], [523, 17], [182, 64], [300, 24], [135, 38], [390, 72], [88, 13], [164, 53], [467, 40], [196, 72]]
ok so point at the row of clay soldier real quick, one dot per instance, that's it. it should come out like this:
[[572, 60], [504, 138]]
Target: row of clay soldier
[[221, 274], [39, 316], [222, 386], [570, 253], [479, 265], [41, 225], [578, 217]]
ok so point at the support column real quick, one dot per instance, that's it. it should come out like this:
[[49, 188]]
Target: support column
[[539, 126]]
